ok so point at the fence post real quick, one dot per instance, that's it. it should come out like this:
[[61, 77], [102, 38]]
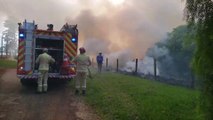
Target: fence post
[[192, 80], [92, 61], [106, 63], [155, 71], [136, 66], [117, 65]]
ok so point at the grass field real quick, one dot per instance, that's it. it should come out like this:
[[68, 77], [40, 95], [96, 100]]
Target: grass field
[[121, 97], [7, 63]]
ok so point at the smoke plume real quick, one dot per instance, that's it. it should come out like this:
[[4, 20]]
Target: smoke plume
[[132, 26]]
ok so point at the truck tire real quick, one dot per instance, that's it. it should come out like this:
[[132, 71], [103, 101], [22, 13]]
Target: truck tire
[[23, 82], [28, 82]]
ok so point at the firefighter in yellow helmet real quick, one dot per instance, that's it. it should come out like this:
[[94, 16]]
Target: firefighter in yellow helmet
[[83, 61], [44, 61]]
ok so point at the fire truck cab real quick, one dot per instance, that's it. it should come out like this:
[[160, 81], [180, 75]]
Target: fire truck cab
[[62, 46]]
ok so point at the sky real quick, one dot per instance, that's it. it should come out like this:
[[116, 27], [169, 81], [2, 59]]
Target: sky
[[117, 28]]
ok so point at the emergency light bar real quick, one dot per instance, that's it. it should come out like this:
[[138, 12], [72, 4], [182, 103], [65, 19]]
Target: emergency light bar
[[21, 35], [74, 40]]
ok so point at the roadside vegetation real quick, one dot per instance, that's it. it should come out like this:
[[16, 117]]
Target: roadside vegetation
[[199, 14], [122, 97], [4, 63]]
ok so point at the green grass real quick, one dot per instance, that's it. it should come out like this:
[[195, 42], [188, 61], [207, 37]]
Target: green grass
[[7, 63], [121, 97]]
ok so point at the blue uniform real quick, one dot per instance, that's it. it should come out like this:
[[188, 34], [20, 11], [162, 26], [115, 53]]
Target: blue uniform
[[99, 59]]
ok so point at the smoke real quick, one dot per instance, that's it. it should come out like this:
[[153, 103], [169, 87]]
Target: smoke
[[157, 52], [133, 26], [122, 56], [43, 12], [173, 55], [11, 24], [102, 46], [145, 66]]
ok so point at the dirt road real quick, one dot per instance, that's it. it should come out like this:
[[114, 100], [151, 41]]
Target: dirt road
[[21, 103]]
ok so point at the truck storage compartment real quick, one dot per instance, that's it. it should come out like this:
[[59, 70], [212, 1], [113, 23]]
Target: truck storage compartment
[[55, 49]]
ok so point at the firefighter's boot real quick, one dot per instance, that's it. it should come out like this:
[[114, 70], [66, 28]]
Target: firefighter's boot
[[45, 88], [39, 89]]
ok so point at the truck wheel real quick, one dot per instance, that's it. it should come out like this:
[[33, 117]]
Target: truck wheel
[[23, 82]]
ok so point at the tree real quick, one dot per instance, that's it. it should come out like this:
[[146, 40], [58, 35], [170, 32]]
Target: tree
[[174, 55], [10, 38], [200, 13], [10, 42]]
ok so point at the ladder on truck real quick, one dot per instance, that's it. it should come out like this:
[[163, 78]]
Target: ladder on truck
[[28, 60]]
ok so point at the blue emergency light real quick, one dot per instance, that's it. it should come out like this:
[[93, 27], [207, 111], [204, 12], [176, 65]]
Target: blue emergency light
[[21, 35], [74, 40]]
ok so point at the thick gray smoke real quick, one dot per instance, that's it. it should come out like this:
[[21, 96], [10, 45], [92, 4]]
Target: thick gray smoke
[[145, 66], [122, 56], [133, 26], [157, 52]]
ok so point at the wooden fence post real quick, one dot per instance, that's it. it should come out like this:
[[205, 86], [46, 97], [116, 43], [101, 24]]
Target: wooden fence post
[[136, 66], [106, 63], [92, 62], [192, 80], [155, 67], [117, 65]]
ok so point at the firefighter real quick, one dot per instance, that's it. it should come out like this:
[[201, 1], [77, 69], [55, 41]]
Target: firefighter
[[44, 61], [99, 60], [83, 62]]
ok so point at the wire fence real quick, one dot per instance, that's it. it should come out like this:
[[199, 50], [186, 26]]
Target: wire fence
[[135, 70]]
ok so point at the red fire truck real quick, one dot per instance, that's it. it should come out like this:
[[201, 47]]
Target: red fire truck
[[62, 46]]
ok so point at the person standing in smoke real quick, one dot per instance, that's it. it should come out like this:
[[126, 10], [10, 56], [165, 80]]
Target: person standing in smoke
[[44, 61], [99, 60], [83, 61]]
